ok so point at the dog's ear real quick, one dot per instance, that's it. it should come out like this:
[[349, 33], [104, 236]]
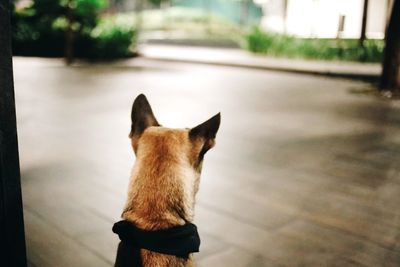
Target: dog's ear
[[206, 132], [142, 116]]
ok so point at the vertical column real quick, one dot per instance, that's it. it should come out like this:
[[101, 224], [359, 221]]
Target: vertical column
[[12, 240]]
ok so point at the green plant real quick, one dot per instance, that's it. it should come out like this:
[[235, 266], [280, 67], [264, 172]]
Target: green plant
[[33, 33], [40, 30], [113, 37], [280, 45]]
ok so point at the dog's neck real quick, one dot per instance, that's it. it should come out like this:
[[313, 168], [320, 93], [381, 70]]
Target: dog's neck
[[161, 196]]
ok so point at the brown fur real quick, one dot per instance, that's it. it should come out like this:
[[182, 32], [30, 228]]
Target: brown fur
[[156, 197], [165, 177]]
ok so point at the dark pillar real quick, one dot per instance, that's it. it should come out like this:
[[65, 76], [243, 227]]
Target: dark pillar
[[12, 240], [364, 23], [390, 79]]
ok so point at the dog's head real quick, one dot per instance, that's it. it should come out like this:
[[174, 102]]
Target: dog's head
[[168, 161], [166, 144]]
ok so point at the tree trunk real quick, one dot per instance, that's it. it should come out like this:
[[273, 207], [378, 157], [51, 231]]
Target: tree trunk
[[69, 37], [390, 79], [364, 23], [12, 240]]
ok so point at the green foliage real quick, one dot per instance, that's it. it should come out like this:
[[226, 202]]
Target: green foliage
[[156, 2], [329, 49], [84, 8], [40, 30], [84, 12], [33, 32], [114, 37]]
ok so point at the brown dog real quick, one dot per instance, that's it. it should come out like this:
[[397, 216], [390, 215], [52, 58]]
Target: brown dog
[[165, 177]]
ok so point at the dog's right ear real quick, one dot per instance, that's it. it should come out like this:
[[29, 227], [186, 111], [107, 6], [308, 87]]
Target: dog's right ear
[[142, 116], [206, 132]]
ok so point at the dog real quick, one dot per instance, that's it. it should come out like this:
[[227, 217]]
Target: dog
[[163, 184]]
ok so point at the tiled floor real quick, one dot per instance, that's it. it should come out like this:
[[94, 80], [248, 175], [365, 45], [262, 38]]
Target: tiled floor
[[304, 173]]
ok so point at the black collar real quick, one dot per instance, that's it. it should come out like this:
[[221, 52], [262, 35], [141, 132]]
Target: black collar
[[179, 241]]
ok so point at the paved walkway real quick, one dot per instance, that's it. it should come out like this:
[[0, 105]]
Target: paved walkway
[[304, 173], [241, 58]]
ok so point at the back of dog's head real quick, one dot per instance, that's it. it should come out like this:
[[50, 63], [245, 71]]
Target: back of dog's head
[[168, 163]]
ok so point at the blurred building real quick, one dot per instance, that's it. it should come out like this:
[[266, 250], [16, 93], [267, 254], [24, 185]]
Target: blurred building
[[325, 18], [239, 11]]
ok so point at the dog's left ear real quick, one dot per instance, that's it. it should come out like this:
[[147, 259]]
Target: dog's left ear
[[207, 132], [142, 116]]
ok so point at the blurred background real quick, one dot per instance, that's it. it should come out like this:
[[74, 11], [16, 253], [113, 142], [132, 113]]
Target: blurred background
[[317, 29], [305, 171]]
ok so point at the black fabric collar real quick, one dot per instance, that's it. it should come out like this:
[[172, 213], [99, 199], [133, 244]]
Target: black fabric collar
[[179, 241]]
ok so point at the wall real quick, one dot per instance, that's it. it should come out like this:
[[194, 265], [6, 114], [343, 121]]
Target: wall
[[320, 18]]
